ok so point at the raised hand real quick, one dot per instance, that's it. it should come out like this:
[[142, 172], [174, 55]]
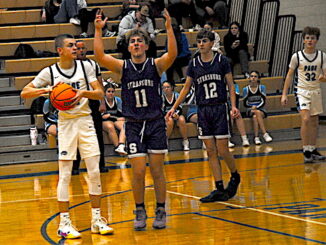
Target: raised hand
[[167, 17], [98, 22]]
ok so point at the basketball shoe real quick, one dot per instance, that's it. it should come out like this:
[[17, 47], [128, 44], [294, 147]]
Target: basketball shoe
[[232, 187], [214, 196], [121, 149], [140, 219], [317, 156], [160, 219], [67, 230], [308, 158], [100, 226]]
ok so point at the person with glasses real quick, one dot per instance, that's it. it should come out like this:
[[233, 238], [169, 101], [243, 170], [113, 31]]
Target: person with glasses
[[310, 65], [254, 98], [208, 72], [136, 19], [236, 47], [113, 119], [141, 94]]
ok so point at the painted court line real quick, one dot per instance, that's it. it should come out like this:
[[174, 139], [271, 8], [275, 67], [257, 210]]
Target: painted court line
[[253, 209]]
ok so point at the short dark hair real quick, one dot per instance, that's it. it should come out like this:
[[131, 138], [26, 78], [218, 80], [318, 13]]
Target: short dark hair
[[58, 41], [206, 34], [109, 85], [137, 32], [171, 83], [308, 30], [258, 74]]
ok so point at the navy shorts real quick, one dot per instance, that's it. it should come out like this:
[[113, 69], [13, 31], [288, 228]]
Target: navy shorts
[[146, 137], [213, 121]]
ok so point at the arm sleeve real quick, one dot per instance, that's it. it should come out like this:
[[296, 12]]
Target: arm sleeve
[[119, 104], [125, 25], [90, 72], [245, 96], [263, 100]]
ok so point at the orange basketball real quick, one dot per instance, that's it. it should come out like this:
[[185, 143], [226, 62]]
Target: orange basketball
[[61, 97]]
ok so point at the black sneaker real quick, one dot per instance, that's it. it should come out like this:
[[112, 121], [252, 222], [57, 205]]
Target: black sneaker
[[232, 187], [317, 156], [215, 195], [308, 157]]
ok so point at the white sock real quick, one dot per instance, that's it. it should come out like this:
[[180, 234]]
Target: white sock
[[312, 147], [244, 137], [306, 148], [96, 213], [64, 217]]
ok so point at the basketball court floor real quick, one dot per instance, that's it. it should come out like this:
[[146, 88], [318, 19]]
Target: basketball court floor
[[281, 200]]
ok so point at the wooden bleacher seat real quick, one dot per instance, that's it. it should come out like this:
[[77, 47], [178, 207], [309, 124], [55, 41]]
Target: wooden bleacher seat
[[13, 4], [34, 16]]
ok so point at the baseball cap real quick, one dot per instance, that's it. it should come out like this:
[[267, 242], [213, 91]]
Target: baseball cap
[[144, 10]]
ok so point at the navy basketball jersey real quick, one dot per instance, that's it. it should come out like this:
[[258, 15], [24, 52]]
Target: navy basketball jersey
[[257, 98], [208, 78], [141, 90], [167, 104], [115, 108]]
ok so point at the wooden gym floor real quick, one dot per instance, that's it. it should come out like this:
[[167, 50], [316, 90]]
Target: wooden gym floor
[[281, 200]]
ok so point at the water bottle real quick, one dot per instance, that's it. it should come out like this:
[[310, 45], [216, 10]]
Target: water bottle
[[33, 135]]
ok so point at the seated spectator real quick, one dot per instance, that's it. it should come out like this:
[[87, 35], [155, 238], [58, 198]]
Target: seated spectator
[[254, 98], [236, 47], [77, 13], [216, 9], [50, 115], [216, 47], [180, 64], [184, 8], [128, 6], [113, 119], [169, 98], [239, 121], [136, 19], [50, 9]]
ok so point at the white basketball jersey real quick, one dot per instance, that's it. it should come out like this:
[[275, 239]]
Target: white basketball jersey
[[309, 70]]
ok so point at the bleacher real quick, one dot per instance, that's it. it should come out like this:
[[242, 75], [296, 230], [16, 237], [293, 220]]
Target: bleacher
[[20, 23]]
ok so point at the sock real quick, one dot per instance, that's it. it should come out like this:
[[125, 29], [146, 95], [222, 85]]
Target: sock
[[160, 205], [312, 147], [306, 148], [140, 205], [219, 185], [244, 137], [96, 213], [64, 217]]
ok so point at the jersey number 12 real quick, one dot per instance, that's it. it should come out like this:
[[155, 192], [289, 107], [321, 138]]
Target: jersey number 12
[[141, 100], [210, 90]]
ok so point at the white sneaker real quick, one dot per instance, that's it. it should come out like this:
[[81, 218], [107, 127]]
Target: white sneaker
[[100, 226], [230, 144], [108, 33], [257, 141], [267, 137], [197, 27], [121, 149], [185, 144], [245, 142], [75, 21], [83, 35], [67, 230]]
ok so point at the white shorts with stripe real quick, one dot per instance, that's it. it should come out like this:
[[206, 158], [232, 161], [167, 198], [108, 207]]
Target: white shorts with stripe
[[309, 100], [77, 132]]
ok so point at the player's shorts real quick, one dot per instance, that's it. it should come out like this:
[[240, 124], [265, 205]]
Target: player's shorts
[[249, 112], [309, 100], [77, 132], [213, 121], [192, 110], [143, 137]]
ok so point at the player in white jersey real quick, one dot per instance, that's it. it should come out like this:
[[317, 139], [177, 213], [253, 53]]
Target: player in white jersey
[[310, 65], [75, 129]]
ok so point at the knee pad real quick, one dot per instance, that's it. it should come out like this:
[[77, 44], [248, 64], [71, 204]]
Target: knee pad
[[93, 171]]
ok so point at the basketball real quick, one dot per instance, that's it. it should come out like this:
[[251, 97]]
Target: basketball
[[61, 97]]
